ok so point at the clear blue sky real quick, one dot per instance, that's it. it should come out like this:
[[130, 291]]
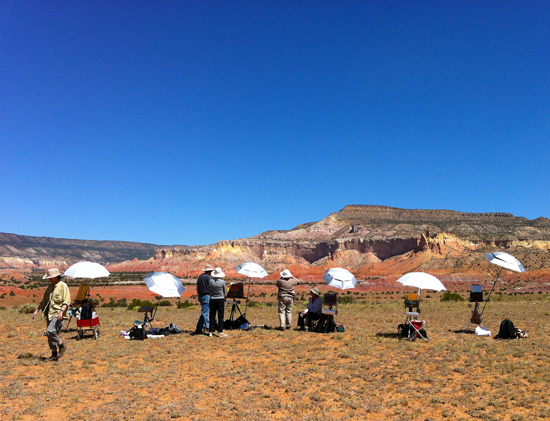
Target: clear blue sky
[[187, 122]]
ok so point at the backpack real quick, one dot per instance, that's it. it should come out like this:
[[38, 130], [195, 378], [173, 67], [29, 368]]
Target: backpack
[[507, 330], [137, 332], [86, 311], [325, 325]]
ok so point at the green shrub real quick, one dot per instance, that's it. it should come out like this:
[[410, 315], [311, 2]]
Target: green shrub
[[165, 303], [345, 299], [119, 303], [12, 293], [27, 308], [185, 304], [138, 303], [451, 296]]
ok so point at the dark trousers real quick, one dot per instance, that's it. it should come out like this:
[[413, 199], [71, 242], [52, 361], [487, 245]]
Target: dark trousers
[[217, 309], [308, 319]]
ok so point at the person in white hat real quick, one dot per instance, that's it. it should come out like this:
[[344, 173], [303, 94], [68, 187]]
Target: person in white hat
[[218, 293], [54, 304], [285, 298], [203, 294], [313, 311]]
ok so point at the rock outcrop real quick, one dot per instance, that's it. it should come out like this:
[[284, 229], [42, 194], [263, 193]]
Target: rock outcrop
[[25, 252], [361, 235]]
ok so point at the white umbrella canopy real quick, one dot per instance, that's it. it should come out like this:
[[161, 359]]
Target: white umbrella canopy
[[89, 270], [340, 278], [252, 270], [422, 280], [505, 260], [164, 284]]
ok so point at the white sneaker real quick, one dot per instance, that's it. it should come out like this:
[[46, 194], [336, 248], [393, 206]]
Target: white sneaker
[[209, 334], [222, 335]]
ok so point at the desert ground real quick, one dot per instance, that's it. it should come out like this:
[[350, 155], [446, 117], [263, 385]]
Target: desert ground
[[365, 373]]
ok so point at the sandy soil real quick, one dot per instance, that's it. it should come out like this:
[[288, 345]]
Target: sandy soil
[[364, 373]]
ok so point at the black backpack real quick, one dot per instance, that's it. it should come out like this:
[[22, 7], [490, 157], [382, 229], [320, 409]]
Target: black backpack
[[325, 324], [86, 311], [507, 330]]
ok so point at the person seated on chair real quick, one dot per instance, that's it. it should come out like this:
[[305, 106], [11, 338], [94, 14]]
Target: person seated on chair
[[313, 311]]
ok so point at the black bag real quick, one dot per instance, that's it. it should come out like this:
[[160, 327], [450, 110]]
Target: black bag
[[403, 330], [86, 311], [325, 324], [237, 323], [507, 330], [137, 332]]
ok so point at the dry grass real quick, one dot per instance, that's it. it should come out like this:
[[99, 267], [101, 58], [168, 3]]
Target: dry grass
[[364, 373]]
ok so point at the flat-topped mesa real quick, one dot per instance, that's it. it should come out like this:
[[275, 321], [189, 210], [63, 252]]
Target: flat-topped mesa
[[386, 213]]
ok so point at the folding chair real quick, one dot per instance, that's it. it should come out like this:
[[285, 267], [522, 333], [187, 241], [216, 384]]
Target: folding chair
[[415, 327], [149, 316], [412, 303]]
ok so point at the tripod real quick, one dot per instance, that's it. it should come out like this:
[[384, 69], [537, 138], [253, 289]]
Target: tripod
[[232, 322]]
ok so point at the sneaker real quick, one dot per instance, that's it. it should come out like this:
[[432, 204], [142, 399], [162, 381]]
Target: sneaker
[[222, 335], [52, 358], [289, 327], [209, 334], [281, 328], [62, 349]]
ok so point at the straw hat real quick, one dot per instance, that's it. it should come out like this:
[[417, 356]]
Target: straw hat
[[208, 268], [286, 274], [315, 291], [217, 273], [51, 273]]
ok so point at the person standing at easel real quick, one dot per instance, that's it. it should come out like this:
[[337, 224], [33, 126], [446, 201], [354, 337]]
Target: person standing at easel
[[285, 298], [203, 293]]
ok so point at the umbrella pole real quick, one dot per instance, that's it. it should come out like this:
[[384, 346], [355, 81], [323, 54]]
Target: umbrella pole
[[492, 289], [246, 301]]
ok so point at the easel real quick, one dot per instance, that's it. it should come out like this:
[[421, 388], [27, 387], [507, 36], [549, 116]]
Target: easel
[[82, 297], [476, 295], [236, 290]]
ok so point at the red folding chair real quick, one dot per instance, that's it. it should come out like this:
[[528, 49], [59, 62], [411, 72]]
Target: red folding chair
[[415, 328]]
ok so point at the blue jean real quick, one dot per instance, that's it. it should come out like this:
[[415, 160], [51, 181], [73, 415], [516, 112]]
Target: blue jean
[[204, 321], [51, 332]]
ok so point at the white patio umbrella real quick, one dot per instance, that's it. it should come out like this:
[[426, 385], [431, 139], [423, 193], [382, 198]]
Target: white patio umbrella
[[252, 270], [505, 260], [421, 281], [89, 270], [340, 278], [164, 284]]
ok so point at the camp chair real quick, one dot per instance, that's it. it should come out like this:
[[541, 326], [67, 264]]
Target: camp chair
[[326, 322], [415, 327], [149, 316]]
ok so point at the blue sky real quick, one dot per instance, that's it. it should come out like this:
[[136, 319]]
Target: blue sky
[[188, 122]]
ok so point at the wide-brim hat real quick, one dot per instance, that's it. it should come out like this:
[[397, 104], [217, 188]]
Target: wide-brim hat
[[208, 268], [286, 274], [315, 291], [217, 273], [52, 273]]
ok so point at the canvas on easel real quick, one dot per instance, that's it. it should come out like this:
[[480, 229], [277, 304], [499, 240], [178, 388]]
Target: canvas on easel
[[476, 296]]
